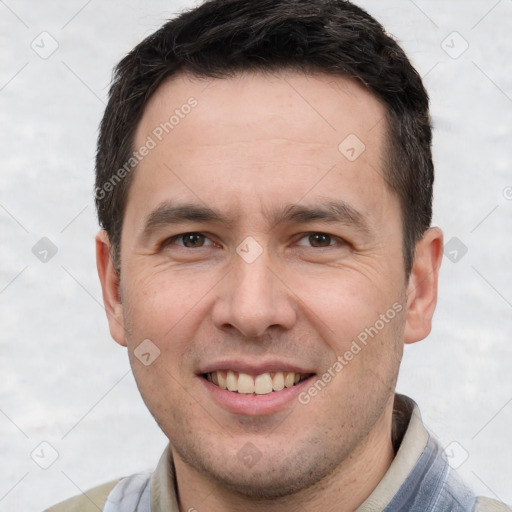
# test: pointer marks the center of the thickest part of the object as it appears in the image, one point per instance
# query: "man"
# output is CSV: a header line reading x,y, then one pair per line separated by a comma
x,y
264,185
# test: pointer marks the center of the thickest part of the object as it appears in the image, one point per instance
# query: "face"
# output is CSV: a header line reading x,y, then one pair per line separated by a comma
x,y
261,250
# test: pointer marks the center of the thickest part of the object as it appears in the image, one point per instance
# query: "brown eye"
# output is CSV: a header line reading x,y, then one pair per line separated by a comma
x,y
192,240
189,240
320,240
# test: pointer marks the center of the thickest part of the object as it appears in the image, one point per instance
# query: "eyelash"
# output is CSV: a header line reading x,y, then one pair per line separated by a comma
x,y
333,238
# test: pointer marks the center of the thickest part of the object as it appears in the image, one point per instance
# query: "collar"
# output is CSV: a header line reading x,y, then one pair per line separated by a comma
x,y
408,426
163,485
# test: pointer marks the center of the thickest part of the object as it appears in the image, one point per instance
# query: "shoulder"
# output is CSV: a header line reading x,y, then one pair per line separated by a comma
x,y
90,501
490,505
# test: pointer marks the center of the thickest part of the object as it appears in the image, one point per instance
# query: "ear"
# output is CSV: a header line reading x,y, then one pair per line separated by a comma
x,y
109,279
422,287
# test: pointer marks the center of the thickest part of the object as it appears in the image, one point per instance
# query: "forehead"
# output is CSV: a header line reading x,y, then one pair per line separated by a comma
x,y
257,102
255,138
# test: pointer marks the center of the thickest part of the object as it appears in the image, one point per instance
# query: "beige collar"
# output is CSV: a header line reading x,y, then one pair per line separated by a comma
x,y
413,443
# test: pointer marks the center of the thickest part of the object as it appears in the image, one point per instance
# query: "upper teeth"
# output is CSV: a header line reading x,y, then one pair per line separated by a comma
x,y
260,384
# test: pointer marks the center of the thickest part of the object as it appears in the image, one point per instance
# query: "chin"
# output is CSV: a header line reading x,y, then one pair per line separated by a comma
x,y
262,487
273,476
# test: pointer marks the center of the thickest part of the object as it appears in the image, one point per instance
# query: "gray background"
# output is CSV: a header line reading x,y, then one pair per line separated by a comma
x,y
66,383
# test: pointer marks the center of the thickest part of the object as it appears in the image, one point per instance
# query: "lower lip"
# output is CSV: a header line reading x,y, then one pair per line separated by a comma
x,y
255,405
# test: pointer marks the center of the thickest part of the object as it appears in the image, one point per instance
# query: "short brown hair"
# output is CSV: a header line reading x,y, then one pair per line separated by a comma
x,y
223,37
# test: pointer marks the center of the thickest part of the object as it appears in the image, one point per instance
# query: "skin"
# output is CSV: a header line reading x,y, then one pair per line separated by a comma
x,y
254,144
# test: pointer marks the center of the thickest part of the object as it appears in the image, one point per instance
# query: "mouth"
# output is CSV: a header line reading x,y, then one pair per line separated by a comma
x,y
261,384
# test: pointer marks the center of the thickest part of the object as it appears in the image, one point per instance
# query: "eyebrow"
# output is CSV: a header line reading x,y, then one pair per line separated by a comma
x,y
169,213
328,211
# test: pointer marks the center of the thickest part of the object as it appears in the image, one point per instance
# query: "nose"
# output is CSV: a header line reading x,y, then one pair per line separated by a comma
x,y
253,297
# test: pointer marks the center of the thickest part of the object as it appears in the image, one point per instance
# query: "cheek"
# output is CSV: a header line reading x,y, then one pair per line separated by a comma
x,y
157,298
166,306
362,321
160,308
345,302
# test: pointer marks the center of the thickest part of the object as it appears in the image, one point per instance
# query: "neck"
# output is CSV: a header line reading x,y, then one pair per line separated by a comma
x,y
343,490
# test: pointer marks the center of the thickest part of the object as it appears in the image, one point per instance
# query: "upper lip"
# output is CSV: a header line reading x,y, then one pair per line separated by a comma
x,y
251,368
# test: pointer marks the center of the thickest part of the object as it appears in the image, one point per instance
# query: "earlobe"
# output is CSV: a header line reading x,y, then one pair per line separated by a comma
x,y
422,287
109,279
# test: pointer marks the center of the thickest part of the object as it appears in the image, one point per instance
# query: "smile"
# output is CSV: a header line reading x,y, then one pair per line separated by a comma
x,y
262,384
